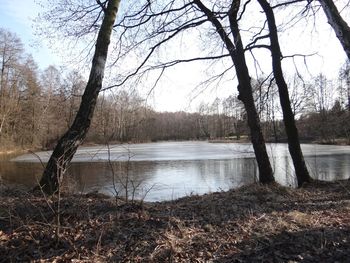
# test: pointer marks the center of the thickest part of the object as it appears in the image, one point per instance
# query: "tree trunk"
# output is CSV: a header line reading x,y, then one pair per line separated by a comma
x,y
301,171
244,88
340,27
69,142
2,108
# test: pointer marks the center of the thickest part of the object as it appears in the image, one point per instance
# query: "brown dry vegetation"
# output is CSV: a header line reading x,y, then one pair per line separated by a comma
x,y
251,224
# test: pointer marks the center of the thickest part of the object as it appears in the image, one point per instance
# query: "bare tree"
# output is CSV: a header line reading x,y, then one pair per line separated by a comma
x,y
301,171
323,93
30,103
300,95
69,142
11,51
339,25
344,89
74,85
150,26
236,51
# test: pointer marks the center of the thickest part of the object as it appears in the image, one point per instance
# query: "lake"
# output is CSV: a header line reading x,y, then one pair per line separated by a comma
x,y
169,170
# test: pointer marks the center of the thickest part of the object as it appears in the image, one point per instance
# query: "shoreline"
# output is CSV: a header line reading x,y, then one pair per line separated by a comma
x,y
244,140
14,152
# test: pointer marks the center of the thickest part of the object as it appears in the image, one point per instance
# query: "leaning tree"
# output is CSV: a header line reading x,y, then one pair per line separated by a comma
x,y
301,171
339,25
151,27
69,142
236,51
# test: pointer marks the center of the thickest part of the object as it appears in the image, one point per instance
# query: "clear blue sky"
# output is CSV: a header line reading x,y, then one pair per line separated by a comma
x,y
17,16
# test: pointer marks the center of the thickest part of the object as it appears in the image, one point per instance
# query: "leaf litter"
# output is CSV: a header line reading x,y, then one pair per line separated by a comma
x,y
254,223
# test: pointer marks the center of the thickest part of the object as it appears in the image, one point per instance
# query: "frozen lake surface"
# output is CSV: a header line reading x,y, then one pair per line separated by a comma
x,y
168,170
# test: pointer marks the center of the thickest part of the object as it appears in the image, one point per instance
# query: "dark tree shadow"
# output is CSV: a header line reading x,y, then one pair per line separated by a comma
x,y
314,245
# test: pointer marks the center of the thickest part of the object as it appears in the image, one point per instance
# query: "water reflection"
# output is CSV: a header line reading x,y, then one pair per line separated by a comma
x,y
164,178
23,174
330,167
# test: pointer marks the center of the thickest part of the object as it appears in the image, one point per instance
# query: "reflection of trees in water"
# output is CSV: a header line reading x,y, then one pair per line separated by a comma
x,y
201,175
322,167
178,178
23,174
284,171
227,173
99,176
330,167
197,176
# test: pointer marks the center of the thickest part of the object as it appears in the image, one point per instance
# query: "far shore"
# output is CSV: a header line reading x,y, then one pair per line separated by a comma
x,y
14,151
243,139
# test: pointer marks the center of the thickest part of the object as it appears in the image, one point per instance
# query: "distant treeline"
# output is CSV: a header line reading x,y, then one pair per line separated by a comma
x,y
37,107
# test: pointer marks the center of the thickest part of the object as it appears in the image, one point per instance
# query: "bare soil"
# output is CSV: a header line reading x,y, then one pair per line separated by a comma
x,y
252,224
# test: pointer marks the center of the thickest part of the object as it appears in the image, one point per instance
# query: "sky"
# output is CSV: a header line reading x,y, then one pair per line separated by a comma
x,y
176,91
17,16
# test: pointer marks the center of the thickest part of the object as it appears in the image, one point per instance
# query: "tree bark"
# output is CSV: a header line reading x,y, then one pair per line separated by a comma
x,y
301,171
244,88
340,27
69,142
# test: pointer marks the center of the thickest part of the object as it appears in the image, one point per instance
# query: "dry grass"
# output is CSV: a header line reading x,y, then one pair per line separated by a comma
x,y
251,224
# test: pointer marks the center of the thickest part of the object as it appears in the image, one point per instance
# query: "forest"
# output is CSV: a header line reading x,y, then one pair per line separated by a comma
x,y
38,106
250,46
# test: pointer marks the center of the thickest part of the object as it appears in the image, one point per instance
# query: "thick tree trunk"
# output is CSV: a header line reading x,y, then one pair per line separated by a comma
x,y
2,109
245,89
68,144
301,171
340,27
246,96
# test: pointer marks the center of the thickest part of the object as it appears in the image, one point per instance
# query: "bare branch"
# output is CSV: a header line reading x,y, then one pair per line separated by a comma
x,y
164,66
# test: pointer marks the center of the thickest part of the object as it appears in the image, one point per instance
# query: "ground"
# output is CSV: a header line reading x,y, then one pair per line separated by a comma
x,y
252,224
